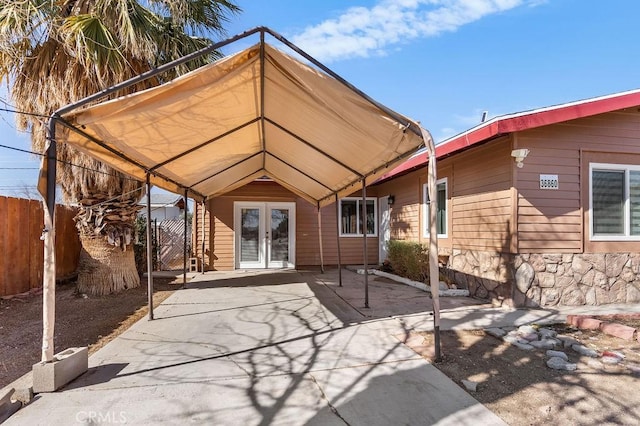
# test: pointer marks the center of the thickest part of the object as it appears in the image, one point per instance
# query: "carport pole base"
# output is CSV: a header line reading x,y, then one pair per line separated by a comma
x,y
65,367
436,342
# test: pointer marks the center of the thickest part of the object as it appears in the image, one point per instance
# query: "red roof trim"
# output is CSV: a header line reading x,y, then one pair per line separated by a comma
x,y
521,121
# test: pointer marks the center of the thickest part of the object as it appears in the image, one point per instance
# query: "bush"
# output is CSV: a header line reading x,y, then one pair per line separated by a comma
x,y
409,259
140,245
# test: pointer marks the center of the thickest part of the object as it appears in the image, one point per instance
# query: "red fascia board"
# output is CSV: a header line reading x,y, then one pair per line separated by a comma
x,y
520,122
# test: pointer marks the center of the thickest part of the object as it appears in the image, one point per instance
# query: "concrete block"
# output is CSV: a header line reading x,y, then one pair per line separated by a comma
x,y
583,322
618,330
7,408
67,365
23,394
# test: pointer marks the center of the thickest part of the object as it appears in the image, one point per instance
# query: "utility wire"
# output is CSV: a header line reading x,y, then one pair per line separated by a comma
x,y
64,162
31,114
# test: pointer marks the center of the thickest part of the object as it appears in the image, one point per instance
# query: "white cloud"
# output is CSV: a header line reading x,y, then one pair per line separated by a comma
x,y
364,32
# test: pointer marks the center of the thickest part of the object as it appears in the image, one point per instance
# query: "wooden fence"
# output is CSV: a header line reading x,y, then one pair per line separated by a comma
x,y
22,250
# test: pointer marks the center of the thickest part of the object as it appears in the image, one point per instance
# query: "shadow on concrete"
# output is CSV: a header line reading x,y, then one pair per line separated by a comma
x,y
96,375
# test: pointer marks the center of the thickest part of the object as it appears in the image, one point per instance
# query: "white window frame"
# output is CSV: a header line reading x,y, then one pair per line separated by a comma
x,y
359,212
425,208
626,168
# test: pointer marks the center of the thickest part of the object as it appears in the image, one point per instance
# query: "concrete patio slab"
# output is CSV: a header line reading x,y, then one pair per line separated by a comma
x,y
257,349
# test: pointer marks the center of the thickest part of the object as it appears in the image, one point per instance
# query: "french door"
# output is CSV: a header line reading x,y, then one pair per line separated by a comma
x,y
264,234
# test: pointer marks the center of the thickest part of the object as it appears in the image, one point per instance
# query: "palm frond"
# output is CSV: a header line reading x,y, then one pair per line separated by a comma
x,y
200,17
92,44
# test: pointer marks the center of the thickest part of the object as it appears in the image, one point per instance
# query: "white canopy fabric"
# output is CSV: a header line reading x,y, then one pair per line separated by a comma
x,y
256,113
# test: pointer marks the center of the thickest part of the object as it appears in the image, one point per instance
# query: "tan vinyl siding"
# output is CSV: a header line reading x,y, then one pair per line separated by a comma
x,y
558,219
222,236
222,242
221,245
481,208
405,212
307,242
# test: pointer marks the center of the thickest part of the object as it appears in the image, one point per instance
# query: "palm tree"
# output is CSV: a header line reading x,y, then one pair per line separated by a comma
x,y
54,52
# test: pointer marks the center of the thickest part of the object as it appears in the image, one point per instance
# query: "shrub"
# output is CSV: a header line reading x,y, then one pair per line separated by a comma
x,y
409,259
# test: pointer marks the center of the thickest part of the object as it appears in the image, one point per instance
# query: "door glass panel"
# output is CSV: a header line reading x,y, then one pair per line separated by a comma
x,y
249,235
279,235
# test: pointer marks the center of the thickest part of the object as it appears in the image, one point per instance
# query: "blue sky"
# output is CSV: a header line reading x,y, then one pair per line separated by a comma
x,y
441,62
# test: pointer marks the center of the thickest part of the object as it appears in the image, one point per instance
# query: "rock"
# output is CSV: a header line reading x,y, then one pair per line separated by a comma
x,y
583,322
496,332
633,292
523,346
547,332
469,385
567,341
611,360
572,296
583,350
555,342
557,354
558,363
618,330
542,344
614,353
546,280
531,337
524,277
580,266
509,338
537,262
526,329
614,263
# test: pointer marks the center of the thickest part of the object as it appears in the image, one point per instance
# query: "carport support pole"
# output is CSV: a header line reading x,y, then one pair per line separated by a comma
x,y
202,222
186,235
48,234
149,251
338,240
320,239
434,273
364,243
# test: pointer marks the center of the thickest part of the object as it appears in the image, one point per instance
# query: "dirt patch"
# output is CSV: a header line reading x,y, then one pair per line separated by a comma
x,y
519,387
80,321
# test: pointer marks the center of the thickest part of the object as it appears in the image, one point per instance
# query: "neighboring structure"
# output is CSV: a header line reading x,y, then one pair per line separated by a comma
x,y
535,208
163,207
542,207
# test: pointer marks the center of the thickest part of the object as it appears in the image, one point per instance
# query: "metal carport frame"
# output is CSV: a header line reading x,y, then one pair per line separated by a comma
x,y
343,120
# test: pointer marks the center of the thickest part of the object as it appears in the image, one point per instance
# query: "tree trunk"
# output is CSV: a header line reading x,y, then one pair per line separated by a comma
x,y
105,268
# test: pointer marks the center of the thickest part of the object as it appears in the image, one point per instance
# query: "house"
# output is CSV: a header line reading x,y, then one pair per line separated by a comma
x,y
264,225
163,207
540,207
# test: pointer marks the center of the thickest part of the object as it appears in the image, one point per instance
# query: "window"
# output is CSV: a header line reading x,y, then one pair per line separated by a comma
x,y
614,195
350,217
441,212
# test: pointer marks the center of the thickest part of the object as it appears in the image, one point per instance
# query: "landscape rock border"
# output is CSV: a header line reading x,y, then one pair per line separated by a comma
x,y
588,322
449,292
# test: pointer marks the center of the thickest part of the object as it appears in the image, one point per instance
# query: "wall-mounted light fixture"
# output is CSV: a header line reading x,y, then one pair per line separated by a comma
x,y
391,199
520,155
